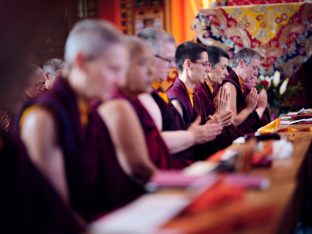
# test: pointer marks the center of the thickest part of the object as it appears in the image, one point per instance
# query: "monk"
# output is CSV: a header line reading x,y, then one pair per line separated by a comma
x,y
193,66
137,81
177,137
248,85
36,81
52,68
66,137
248,111
209,100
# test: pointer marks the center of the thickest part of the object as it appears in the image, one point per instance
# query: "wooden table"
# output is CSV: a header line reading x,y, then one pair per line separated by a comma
x,y
289,180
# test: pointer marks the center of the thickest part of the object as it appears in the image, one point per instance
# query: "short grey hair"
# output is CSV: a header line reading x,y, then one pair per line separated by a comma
x,y
90,37
156,37
53,65
245,54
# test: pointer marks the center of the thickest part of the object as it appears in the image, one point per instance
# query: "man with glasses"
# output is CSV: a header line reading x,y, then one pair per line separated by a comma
x,y
210,101
193,66
248,109
176,135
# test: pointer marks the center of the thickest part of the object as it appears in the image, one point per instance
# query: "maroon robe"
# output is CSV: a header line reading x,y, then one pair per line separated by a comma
x,y
204,105
252,122
157,149
177,91
172,121
28,203
95,179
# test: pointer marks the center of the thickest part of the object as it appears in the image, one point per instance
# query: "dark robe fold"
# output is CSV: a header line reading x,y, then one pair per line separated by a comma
x,y
204,105
172,121
252,122
178,91
157,148
28,203
96,182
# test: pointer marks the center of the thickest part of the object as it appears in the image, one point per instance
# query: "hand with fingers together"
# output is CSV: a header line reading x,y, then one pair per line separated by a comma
x,y
207,132
252,99
263,99
221,101
225,118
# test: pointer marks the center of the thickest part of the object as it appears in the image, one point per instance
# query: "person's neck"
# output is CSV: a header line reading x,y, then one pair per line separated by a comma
x,y
186,80
210,82
238,73
129,92
73,80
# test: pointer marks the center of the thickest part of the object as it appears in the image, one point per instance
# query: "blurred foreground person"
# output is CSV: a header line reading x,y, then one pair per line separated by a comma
x,y
67,138
28,202
137,81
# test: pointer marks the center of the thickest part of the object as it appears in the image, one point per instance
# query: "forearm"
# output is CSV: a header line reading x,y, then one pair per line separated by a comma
x,y
242,116
138,169
260,111
178,141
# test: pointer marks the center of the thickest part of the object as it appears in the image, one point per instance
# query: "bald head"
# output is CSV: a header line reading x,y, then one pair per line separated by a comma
x,y
90,38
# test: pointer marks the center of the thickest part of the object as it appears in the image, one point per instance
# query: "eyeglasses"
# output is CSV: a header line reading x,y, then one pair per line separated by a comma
x,y
255,68
168,60
204,64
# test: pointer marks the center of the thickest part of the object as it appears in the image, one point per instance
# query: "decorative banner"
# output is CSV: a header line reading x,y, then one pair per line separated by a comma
x,y
250,2
281,33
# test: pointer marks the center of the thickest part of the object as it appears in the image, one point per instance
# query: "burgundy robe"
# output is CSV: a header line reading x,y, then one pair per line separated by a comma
x,y
177,91
204,105
28,203
172,121
157,149
95,179
252,122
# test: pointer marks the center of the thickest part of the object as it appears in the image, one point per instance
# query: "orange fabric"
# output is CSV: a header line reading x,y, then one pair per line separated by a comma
x,y
190,93
84,110
209,86
241,85
158,87
26,114
289,129
266,151
218,194
270,127
216,157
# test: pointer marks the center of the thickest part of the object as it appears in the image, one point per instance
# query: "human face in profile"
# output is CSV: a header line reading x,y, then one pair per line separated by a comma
x,y
250,70
103,73
219,71
164,61
199,69
139,77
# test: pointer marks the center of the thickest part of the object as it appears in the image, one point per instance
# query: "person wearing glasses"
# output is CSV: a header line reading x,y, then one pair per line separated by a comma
x,y
210,101
248,109
179,138
193,66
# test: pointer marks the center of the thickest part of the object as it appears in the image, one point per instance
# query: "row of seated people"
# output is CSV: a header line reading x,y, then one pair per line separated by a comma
x,y
38,80
105,128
